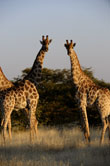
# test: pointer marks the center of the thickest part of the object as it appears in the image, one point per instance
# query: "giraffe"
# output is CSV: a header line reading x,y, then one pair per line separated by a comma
x,y
24,93
5,84
88,93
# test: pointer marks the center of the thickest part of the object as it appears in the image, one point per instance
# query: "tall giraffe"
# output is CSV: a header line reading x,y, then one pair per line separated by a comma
x,y
24,93
88,93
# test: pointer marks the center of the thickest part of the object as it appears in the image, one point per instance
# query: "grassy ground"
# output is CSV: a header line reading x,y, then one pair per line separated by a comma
x,y
55,147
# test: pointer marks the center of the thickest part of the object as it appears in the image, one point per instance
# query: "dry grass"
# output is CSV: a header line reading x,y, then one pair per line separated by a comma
x,y
55,147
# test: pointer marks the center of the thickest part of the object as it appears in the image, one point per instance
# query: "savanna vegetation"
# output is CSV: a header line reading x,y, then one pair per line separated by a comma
x,y
60,141
57,105
55,147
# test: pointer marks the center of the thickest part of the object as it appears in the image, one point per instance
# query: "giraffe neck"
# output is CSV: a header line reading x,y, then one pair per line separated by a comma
x,y
4,82
76,70
35,73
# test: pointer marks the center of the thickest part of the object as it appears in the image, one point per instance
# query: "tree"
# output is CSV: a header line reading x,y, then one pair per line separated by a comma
x,y
57,103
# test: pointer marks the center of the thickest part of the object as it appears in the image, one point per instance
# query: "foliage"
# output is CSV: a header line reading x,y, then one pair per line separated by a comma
x,y
57,99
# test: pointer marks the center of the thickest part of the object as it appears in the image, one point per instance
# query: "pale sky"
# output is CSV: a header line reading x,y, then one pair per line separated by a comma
x,y
86,22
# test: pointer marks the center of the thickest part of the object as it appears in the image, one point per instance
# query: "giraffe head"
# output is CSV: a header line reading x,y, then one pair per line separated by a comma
x,y
45,43
69,46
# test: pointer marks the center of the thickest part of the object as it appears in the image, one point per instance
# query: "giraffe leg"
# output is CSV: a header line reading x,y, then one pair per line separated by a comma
x,y
27,115
9,128
7,120
85,124
33,120
32,123
36,127
4,124
5,130
36,122
109,127
105,125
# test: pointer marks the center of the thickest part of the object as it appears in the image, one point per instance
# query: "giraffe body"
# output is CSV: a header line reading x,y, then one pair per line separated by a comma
x,y
5,84
19,97
24,93
88,94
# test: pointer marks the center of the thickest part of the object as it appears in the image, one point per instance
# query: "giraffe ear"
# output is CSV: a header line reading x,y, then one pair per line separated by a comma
x,y
65,45
50,41
41,42
74,44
